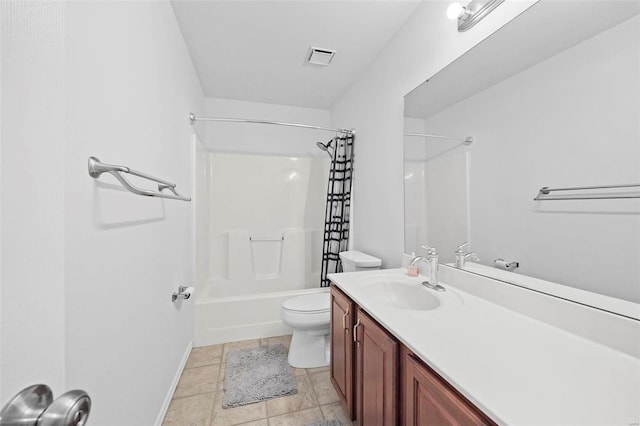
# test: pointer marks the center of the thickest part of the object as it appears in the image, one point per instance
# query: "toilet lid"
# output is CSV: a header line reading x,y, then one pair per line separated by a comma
x,y
317,302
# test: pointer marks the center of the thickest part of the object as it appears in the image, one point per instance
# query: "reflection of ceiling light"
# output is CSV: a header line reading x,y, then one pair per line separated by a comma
x,y
319,56
456,11
472,13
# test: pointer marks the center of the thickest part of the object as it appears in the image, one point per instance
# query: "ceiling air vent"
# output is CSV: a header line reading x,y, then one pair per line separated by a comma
x,y
319,56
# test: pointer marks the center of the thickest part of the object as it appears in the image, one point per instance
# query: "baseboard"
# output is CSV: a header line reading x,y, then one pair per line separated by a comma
x,y
174,384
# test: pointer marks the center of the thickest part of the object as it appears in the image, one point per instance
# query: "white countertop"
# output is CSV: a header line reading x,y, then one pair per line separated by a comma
x,y
517,369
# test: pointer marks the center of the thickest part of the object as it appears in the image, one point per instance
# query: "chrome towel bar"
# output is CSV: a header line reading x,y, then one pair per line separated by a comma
x,y
96,168
544,193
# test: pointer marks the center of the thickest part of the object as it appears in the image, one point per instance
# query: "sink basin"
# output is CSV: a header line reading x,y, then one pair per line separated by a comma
x,y
402,294
408,296
395,289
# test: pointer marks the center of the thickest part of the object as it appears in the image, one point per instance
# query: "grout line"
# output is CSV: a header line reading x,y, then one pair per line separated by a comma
x,y
203,365
195,394
213,409
315,394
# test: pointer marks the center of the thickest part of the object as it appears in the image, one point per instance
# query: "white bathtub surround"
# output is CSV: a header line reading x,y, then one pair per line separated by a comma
x,y
259,241
264,216
521,356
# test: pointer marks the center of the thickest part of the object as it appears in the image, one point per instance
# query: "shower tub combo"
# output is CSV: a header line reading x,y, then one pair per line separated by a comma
x,y
258,248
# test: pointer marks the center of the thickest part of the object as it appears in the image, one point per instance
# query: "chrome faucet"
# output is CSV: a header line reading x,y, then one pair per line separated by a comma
x,y
462,257
430,259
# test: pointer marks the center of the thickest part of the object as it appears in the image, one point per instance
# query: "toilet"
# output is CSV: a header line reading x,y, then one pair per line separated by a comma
x,y
353,261
310,315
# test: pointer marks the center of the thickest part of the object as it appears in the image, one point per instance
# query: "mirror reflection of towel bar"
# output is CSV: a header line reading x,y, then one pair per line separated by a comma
x,y
544,193
279,238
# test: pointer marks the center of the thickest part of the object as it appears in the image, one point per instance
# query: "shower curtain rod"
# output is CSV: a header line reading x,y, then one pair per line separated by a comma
x,y
467,141
193,119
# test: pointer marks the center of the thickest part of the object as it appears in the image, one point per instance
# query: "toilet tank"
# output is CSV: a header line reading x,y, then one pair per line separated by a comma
x,y
354,260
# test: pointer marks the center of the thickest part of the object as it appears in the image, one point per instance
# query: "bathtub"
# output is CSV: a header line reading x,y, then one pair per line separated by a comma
x,y
229,319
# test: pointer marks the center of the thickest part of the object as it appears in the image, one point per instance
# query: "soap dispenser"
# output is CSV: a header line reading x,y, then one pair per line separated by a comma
x,y
413,270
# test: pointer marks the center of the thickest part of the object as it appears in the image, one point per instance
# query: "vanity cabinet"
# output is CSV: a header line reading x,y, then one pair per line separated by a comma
x,y
364,363
429,400
342,348
376,368
381,382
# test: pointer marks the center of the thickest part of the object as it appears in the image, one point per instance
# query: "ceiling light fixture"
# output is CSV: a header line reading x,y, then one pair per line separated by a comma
x,y
472,13
318,56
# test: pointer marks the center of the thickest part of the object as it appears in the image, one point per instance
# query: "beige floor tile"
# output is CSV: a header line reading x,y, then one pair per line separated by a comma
x,y
191,411
319,369
305,398
299,371
197,380
325,392
244,344
336,411
263,422
205,355
285,340
237,415
298,418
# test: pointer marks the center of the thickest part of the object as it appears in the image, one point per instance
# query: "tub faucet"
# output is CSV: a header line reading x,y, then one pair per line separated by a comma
x,y
430,259
462,257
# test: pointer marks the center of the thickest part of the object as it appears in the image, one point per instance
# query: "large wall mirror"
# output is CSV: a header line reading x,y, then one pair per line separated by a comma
x,y
552,99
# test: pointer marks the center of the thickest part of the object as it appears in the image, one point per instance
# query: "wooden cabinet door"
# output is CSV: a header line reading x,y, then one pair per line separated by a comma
x,y
376,373
342,347
429,400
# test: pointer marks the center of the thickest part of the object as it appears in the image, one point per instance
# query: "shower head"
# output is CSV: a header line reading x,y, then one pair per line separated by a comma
x,y
325,146
322,146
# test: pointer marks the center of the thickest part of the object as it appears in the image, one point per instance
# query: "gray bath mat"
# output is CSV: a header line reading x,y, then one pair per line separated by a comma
x,y
257,374
327,423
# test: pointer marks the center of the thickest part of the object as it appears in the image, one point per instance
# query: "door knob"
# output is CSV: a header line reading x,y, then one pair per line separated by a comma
x,y
34,406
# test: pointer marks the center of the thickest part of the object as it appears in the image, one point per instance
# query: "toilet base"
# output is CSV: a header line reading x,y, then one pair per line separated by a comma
x,y
309,349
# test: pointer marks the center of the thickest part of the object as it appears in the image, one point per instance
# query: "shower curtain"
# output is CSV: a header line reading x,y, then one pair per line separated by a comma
x,y
336,225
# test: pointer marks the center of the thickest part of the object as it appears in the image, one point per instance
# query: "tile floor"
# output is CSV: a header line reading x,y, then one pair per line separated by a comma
x,y
197,400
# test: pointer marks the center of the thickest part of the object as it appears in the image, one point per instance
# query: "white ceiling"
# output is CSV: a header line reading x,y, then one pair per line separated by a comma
x,y
256,50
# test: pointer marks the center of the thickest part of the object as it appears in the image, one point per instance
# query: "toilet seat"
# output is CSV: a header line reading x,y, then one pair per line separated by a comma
x,y
309,304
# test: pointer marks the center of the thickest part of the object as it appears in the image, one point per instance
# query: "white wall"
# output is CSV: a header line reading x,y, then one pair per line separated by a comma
x,y
32,196
262,138
130,76
3,25
571,120
87,269
374,106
